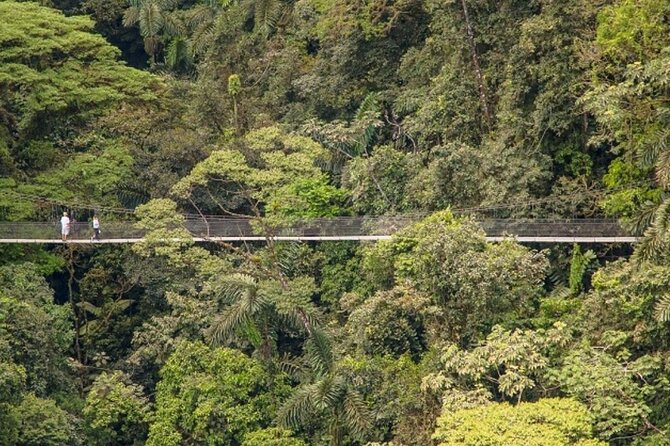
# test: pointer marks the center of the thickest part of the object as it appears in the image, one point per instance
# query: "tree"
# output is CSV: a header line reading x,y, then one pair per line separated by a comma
x,y
117,412
548,422
55,71
267,172
617,390
56,76
214,396
392,322
35,333
42,422
153,18
509,365
272,437
630,100
475,284
261,309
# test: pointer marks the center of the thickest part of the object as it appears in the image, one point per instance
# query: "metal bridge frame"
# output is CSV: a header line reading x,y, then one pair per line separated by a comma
x,y
607,240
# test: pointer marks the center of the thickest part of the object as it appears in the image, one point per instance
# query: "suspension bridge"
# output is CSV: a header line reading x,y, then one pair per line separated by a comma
x,y
201,228
324,229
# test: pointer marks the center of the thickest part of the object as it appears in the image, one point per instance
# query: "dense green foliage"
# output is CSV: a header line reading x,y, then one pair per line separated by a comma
x,y
153,112
548,422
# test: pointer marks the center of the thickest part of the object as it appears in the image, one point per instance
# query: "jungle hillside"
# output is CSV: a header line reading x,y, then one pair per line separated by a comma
x,y
153,114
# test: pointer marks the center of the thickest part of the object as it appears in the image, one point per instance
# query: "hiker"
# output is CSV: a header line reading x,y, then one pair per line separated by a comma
x,y
64,226
96,229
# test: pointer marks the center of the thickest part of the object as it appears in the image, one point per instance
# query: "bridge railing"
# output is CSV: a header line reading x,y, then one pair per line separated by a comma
x,y
326,227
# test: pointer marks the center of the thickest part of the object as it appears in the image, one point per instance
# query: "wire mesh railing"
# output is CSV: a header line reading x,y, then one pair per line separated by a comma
x,y
341,227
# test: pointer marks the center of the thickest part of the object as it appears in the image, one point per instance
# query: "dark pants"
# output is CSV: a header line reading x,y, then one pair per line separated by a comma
x,y
96,233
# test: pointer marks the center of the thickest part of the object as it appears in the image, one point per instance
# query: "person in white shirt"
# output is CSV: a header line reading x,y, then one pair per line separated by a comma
x,y
64,226
96,228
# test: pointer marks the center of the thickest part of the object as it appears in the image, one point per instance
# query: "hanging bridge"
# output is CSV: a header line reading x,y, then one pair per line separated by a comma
x,y
323,229
121,228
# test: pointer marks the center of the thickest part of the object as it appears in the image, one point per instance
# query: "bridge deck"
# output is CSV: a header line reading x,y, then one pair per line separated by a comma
x,y
341,228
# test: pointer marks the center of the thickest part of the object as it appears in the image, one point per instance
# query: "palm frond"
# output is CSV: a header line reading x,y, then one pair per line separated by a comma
x,y
297,409
330,391
290,254
235,286
662,309
131,16
200,14
203,37
663,163
267,14
236,317
151,20
224,325
173,25
356,414
319,352
178,53
298,314
167,5
655,240
644,218
561,292
295,367
369,105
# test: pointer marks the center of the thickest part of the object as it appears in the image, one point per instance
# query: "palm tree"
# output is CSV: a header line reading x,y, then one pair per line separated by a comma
x,y
655,153
325,392
155,21
268,14
258,309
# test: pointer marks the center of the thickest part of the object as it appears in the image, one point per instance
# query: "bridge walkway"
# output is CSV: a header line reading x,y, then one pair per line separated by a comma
x,y
330,229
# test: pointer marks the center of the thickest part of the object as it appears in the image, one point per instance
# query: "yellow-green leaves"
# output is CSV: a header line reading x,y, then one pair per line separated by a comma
x,y
548,422
268,169
54,68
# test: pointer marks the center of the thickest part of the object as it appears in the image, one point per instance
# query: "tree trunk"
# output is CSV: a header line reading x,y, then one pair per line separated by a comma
x,y
483,96
70,266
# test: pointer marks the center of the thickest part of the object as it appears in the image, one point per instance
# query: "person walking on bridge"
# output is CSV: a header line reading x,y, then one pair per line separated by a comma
x,y
96,229
64,226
